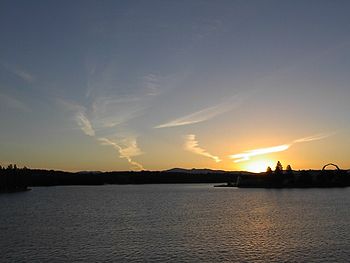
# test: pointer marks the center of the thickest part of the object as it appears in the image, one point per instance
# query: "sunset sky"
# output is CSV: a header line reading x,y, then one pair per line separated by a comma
x,y
130,85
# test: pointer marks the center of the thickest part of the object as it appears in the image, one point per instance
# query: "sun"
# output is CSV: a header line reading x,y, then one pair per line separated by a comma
x,y
258,166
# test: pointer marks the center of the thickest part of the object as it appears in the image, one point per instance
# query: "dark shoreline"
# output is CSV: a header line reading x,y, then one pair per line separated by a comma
x,y
14,190
13,180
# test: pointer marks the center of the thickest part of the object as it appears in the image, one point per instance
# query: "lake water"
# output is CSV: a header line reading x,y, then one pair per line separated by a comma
x,y
174,223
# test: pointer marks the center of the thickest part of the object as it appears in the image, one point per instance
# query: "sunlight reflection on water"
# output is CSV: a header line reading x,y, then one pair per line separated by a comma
x,y
187,223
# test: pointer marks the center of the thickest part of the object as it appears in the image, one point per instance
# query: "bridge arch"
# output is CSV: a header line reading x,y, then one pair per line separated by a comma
x,y
330,164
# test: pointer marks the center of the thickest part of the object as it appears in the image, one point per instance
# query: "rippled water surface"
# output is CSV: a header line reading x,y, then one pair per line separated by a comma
x,y
176,223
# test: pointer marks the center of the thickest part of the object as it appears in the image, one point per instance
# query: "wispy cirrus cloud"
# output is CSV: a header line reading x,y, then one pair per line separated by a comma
x,y
246,155
84,123
111,111
127,149
201,115
124,142
19,72
13,103
110,106
315,137
191,145
79,116
152,83
112,100
23,75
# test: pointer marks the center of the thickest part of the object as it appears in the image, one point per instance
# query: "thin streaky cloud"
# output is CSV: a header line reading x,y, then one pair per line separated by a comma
x,y
13,103
108,112
246,155
313,137
152,84
23,74
79,116
201,115
100,121
126,149
84,123
191,145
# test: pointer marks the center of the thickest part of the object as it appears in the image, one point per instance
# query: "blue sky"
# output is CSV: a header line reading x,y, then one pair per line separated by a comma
x,y
119,85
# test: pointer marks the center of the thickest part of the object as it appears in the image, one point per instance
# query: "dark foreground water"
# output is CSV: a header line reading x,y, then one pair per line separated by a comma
x,y
174,223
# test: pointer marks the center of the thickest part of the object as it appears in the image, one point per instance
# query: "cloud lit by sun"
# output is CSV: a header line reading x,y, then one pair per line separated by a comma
x,y
246,155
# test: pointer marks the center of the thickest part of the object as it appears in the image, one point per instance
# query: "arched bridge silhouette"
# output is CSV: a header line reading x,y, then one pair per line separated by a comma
x,y
330,164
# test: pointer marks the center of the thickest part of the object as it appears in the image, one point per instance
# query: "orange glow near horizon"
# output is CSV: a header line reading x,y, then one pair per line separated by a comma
x,y
258,166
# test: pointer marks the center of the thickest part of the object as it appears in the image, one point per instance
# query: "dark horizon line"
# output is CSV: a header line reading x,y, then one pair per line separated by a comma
x,y
174,170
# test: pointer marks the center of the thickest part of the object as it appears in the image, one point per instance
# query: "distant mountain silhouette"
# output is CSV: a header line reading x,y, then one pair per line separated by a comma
x,y
195,171
14,179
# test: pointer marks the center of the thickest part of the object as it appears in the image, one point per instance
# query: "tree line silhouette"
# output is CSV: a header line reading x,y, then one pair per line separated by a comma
x,y
13,178
289,178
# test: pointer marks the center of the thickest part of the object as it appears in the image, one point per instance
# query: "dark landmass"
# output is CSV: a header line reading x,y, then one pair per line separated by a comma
x,y
14,179
296,179
195,171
